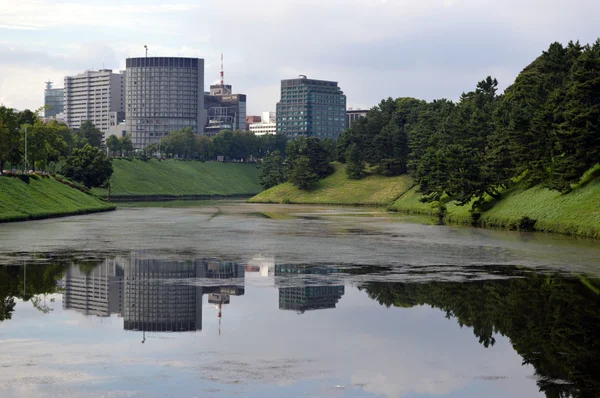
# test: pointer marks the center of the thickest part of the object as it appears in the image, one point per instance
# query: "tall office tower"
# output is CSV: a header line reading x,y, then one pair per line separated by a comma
x,y
163,94
96,96
54,102
311,107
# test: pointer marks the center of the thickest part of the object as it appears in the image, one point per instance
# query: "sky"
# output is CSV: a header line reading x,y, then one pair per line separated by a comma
x,y
375,49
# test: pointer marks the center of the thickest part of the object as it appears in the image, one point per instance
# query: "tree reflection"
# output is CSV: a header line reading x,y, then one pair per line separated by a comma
x,y
553,322
28,283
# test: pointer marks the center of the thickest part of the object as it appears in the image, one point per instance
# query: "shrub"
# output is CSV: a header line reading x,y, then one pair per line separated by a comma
x,y
24,178
526,224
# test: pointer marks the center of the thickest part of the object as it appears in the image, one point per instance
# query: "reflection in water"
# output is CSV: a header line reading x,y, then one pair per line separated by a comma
x,y
552,321
150,294
308,295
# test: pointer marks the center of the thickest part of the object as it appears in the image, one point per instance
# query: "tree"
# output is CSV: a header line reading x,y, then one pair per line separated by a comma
x,y
303,175
10,150
355,165
88,165
89,134
272,170
44,143
113,144
126,145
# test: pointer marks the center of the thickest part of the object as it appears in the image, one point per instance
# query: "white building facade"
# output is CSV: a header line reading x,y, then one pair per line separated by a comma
x,y
267,125
94,96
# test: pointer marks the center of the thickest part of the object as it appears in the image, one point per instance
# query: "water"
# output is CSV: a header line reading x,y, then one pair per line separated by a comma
x,y
230,299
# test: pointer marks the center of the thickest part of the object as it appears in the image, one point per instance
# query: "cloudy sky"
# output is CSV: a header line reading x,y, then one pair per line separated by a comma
x,y
373,48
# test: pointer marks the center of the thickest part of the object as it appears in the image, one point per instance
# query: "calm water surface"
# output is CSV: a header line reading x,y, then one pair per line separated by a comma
x,y
231,299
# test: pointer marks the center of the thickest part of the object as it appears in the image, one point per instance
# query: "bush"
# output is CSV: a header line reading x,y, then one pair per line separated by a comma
x,y
24,178
526,224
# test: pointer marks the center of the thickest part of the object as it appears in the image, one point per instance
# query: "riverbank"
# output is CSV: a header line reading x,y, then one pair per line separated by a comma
x,y
520,208
44,198
155,180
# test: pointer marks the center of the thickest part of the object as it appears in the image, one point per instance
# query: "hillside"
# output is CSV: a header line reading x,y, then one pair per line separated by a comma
x,y
576,213
177,178
43,198
372,190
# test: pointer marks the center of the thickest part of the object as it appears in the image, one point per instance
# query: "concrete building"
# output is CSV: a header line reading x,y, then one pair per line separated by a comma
x,y
94,96
354,115
54,102
99,292
224,110
267,124
310,107
163,94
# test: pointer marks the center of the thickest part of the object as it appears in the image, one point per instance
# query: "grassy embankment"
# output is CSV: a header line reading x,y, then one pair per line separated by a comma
x,y
44,198
337,189
576,213
172,179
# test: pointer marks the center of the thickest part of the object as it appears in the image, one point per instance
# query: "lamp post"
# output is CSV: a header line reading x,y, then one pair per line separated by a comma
x,y
25,148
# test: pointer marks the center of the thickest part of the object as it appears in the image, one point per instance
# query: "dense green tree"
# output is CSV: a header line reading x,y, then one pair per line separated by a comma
x,y
113,144
126,146
10,150
88,165
308,161
88,134
272,170
45,143
355,164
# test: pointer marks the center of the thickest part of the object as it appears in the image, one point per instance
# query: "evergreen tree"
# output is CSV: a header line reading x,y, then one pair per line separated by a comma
x,y
272,170
355,165
88,165
88,134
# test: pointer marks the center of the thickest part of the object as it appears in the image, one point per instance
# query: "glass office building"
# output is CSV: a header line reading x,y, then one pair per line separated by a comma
x,y
163,94
54,102
311,107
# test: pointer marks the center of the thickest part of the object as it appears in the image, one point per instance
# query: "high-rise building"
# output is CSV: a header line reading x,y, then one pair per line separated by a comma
x,y
54,102
353,115
224,110
163,94
94,96
311,107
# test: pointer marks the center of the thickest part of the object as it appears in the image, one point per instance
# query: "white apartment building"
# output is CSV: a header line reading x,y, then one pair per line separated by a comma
x,y
97,96
266,126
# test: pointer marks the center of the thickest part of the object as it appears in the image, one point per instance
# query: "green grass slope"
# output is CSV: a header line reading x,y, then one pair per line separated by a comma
x,y
43,198
576,213
178,178
337,189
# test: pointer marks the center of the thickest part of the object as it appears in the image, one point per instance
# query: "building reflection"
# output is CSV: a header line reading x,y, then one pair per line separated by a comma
x,y
152,295
298,292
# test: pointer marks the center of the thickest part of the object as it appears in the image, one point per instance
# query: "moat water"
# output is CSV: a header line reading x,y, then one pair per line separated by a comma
x,y
231,299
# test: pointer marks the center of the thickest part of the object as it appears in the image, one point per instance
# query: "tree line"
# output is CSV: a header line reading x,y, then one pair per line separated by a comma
x,y
544,129
28,143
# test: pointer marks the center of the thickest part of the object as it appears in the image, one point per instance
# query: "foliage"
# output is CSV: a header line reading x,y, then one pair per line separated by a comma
x,y
89,166
308,161
355,169
88,134
272,170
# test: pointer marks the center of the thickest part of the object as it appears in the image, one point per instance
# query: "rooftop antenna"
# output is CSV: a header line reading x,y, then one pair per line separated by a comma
x,y
222,74
146,47
48,84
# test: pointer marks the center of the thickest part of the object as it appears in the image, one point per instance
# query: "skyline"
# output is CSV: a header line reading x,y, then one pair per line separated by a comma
x,y
374,49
